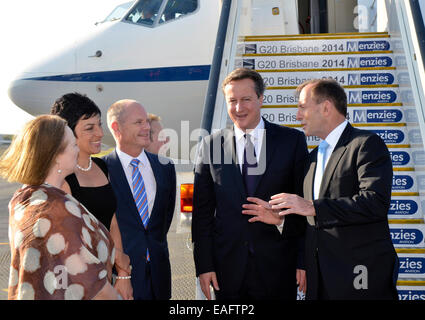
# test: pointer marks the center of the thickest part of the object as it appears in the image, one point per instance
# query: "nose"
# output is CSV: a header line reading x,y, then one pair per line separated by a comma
x,y
299,116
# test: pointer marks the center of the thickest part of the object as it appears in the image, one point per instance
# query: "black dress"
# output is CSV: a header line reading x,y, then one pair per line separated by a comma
x,y
99,201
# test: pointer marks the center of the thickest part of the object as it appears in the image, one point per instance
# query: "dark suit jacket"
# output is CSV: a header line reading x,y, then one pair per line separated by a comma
x,y
351,224
223,236
135,238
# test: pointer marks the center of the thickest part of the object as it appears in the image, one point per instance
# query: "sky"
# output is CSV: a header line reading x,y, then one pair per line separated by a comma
x,y
31,29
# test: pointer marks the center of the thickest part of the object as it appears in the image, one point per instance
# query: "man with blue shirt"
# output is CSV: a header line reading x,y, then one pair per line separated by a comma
x,y
347,192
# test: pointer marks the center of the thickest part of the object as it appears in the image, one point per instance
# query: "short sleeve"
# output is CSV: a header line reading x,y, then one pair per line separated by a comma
x,y
59,250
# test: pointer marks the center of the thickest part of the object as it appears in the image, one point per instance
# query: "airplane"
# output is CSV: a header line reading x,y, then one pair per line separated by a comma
x,y
163,62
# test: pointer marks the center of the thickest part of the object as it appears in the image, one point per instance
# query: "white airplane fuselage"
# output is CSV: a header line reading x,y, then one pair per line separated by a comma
x,y
165,67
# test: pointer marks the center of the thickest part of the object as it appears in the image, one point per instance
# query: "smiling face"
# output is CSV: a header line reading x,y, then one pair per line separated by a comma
x,y
89,135
134,129
243,104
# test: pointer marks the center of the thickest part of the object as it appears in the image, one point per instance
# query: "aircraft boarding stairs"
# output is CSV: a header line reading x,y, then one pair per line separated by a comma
x,y
374,75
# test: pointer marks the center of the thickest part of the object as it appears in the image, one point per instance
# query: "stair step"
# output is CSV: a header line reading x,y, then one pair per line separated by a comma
x,y
334,61
313,45
358,76
355,95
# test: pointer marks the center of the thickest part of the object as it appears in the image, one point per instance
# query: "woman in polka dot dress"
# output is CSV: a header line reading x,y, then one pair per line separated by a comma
x,y
58,249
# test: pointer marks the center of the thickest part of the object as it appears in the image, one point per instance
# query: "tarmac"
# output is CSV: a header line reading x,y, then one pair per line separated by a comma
x,y
179,243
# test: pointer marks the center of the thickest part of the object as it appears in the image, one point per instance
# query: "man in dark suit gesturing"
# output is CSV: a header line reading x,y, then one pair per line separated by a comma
x,y
347,191
145,188
244,259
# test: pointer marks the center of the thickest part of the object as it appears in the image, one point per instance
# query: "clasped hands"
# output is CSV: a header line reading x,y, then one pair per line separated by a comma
x,y
280,205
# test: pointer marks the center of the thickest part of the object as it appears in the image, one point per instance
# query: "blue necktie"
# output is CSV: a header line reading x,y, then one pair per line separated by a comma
x,y
320,167
140,196
249,161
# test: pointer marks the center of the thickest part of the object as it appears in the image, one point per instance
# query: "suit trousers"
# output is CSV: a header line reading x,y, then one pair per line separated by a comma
x,y
252,286
148,285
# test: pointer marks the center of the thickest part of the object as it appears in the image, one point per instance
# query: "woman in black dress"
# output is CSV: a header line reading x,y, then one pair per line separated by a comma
x,y
89,184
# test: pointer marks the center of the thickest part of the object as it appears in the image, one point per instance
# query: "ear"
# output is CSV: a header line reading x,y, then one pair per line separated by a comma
x,y
327,107
114,126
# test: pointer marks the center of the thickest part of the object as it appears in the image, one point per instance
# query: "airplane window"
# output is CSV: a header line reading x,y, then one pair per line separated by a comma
x,y
118,12
178,8
145,12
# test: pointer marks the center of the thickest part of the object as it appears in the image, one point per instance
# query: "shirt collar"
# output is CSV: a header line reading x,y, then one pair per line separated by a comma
x,y
335,134
126,158
256,133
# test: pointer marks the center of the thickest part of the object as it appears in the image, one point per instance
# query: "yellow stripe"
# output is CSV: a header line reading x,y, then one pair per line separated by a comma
x,y
315,53
378,124
5,290
406,221
404,194
328,69
398,146
319,34
4,243
347,87
410,283
270,106
293,38
358,125
336,69
404,169
408,250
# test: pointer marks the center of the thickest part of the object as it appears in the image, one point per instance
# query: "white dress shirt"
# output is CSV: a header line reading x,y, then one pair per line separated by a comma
x,y
256,138
257,135
332,139
146,172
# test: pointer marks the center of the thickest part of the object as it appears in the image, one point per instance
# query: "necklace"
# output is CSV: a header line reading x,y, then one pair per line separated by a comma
x,y
85,169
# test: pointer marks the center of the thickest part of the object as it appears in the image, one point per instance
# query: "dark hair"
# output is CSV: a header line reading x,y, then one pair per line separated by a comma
x,y
327,89
245,73
73,107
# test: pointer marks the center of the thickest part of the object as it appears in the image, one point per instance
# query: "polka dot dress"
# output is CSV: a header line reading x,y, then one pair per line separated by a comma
x,y
58,249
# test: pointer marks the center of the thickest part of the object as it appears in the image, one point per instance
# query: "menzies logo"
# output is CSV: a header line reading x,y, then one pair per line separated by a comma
x,y
369,62
411,294
412,265
367,45
402,182
365,79
385,96
399,158
384,115
403,207
390,136
406,236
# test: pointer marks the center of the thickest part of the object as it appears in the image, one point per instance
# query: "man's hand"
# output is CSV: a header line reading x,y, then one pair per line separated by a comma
x,y
205,279
292,203
262,211
301,280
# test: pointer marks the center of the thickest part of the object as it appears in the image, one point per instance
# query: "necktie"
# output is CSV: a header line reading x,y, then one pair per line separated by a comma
x,y
320,167
249,161
140,196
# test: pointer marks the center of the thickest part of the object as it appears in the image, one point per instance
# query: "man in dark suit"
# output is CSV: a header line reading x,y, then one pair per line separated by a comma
x,y
347,191
145,187
243,258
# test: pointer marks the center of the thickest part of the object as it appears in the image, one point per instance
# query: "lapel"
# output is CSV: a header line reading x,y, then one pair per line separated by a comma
x,y
229,149
309,177
266,154
268,147
334,159
122,189
157,172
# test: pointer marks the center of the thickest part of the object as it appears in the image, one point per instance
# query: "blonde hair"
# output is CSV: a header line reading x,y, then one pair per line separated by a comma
x,y
33,151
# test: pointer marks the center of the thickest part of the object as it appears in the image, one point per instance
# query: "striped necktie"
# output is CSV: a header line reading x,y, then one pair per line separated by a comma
x,y
139,194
